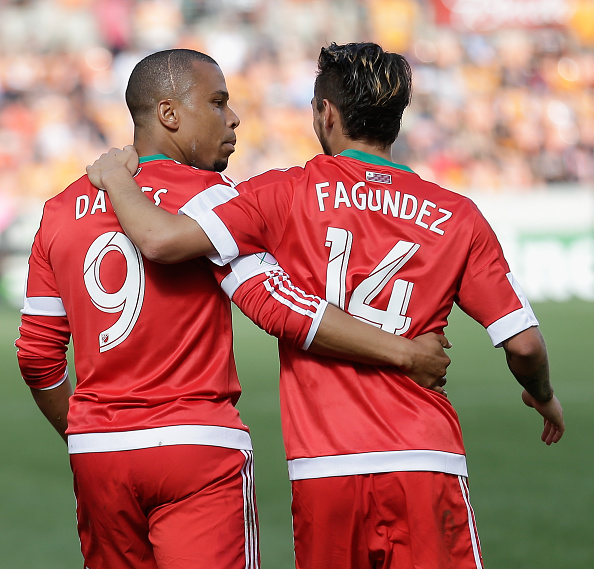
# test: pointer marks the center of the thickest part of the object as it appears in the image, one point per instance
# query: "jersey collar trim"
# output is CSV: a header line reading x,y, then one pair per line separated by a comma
x,y
154,157
371,159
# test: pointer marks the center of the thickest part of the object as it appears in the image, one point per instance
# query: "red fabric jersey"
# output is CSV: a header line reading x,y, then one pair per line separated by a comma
x,y
152,342
394,250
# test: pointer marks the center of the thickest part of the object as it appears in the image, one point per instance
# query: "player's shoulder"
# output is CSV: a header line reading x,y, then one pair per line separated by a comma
x,y
455,198
277,177
79,187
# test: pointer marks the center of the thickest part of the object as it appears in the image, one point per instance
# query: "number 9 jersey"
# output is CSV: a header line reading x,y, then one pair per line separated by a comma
x,y
397,252
152,342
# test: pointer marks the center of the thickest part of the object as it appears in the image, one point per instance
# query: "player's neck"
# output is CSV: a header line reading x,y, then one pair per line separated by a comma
x,y
349,144
152,145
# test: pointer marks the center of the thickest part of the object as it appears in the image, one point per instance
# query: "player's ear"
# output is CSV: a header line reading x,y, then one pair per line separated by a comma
x,y
167,114
329,114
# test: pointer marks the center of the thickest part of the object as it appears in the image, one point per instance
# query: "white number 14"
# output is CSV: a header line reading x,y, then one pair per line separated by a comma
x,y
393,319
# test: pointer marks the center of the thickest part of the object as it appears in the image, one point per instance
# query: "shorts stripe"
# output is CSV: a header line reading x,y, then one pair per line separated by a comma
x,y
249,512
471,522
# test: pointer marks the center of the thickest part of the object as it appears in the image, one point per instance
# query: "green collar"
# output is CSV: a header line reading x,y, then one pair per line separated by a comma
x,y
356,154
372,159
144,159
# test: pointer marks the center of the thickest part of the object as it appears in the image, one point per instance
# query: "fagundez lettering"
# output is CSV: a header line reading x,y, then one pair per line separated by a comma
x,y
425,214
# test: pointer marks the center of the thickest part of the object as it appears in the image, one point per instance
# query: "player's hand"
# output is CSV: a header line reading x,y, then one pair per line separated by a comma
x,y
430,362
115,160
554,425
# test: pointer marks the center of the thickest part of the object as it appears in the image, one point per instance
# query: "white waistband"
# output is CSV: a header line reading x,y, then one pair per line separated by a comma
x,y
161,436
375,462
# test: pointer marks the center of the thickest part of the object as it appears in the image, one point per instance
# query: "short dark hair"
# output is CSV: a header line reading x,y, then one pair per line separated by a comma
x,y
161,75
369,86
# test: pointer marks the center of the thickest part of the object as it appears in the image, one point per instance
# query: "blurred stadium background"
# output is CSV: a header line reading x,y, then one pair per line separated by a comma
x,y
503,111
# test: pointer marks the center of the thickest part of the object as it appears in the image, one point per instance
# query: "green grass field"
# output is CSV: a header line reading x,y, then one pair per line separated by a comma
x,y
534,504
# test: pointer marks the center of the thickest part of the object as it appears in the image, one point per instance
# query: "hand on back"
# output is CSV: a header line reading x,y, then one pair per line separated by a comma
x,y
430,362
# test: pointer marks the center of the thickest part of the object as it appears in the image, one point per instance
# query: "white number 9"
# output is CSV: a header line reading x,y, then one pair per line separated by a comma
x,y
128,300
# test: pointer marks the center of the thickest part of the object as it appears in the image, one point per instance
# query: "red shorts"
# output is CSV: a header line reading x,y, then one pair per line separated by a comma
x,y
173,507
397,520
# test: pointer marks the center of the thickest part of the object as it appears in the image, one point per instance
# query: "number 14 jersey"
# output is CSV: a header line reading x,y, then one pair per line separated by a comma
x,y
394,250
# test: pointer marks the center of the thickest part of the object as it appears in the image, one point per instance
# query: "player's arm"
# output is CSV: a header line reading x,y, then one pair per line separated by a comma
x,y
41,354
160,235
306,321
44,338
510,322
423,358
54,404
527,359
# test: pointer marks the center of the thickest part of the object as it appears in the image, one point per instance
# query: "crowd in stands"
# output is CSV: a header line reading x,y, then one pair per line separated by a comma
x,y
504,109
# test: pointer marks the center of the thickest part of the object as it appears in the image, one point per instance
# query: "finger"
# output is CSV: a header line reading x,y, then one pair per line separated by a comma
x,y
553,436
552,433
547,433
557,436
445,342
440,390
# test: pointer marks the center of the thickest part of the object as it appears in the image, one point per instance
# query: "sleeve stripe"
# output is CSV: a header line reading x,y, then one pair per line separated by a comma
x,y
244,268
514,322
43,306
313,330
291,299
279,286
279,277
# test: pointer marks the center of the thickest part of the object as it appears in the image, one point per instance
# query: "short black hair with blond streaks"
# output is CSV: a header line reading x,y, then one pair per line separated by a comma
x,y
369,86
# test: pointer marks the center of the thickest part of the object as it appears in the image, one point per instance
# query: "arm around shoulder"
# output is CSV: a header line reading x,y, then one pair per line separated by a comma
x,y
423,359
305,321
161,236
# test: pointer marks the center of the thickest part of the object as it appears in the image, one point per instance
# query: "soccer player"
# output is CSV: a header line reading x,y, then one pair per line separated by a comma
x,y
162,463
377,464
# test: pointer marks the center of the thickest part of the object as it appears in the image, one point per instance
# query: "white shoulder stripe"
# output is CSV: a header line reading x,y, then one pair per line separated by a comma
x,y
200,209
43,306
210,198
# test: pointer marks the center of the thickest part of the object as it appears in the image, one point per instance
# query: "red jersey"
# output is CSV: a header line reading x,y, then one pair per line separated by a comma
x,y
152,342
394,250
